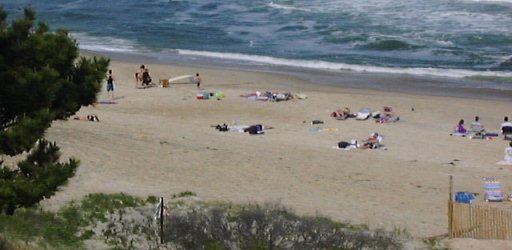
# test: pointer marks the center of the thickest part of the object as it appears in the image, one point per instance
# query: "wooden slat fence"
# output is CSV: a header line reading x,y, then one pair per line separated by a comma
x,y
478,221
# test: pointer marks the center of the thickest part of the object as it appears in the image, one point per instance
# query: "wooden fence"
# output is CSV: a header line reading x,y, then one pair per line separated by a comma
x,y
478,221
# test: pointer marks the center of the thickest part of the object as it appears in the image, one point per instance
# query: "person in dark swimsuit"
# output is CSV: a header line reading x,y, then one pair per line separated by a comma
x,y
110,84
146,78
197,79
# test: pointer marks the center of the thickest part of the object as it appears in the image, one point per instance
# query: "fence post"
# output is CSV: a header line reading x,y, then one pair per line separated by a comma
x,y
161,220
450,208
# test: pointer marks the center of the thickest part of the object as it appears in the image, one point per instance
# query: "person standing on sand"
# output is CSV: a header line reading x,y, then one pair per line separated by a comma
x,y
197,79
110,84
138,75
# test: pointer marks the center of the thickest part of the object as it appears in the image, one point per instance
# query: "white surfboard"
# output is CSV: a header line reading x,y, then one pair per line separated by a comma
x,y
182,79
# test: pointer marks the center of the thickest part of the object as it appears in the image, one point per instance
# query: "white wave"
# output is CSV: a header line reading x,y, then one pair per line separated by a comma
x,y
286,7
322,65
108,44
443,43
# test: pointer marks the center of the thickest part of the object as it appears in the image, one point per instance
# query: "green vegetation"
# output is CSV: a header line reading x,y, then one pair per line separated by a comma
x,y
183,194
70,226
120,221
207,226
41,81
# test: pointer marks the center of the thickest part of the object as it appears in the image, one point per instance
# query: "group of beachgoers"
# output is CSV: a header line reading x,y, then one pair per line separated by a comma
x,y
142,77
477,130
386,116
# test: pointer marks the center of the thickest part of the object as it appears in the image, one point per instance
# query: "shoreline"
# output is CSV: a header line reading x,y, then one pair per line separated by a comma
x,y
387,82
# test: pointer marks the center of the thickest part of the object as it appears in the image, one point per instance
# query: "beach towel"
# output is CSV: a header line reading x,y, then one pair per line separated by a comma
x,y
317,129
300,96
504,163
459,134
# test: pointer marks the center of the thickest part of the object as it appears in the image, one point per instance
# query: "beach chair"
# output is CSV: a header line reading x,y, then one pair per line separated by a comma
x,y
492,190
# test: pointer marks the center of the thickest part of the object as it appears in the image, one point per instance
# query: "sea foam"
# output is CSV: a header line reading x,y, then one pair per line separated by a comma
x,y
323,65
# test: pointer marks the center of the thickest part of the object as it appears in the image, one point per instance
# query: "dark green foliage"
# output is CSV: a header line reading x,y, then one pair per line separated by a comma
x,y
41,80
37,176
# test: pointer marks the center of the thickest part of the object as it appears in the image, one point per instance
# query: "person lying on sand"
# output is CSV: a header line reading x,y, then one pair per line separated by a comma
x,y
91,118
373,142
257,129
342,114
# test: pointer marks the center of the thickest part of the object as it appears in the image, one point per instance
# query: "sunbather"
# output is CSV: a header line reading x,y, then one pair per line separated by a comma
x,y
256,129
91,118
386,116
343,114
372,142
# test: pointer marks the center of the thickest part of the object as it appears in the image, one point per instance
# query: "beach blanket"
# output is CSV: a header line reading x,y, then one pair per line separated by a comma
x,y
317,129
237,128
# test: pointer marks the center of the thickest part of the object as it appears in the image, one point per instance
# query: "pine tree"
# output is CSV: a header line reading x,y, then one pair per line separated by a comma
x,y
41,80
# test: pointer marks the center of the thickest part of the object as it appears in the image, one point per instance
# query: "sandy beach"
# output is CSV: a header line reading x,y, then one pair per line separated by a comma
x,y
159,141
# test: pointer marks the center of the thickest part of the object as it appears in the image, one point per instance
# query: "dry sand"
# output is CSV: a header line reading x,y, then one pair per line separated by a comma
x,y
159,141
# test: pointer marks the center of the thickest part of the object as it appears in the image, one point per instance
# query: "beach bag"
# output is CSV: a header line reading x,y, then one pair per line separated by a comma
x,y
464,197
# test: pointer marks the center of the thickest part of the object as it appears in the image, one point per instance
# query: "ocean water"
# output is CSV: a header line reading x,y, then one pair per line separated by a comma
x,y
454,38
